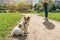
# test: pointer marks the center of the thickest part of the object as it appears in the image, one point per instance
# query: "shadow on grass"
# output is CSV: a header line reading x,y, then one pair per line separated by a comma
x,y
49,25
19,37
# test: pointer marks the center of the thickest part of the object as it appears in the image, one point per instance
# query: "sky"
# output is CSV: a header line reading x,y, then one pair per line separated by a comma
x,y
35,1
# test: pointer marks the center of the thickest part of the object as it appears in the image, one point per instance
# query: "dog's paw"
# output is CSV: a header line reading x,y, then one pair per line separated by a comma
x,y
26,32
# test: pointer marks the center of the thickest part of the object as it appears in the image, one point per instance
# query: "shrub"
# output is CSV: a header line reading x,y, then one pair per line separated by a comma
x,y
24,7
52,8
12,8
37,8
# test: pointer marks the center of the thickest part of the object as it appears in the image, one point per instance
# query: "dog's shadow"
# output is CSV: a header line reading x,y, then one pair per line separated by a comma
x,y
19,37
49,25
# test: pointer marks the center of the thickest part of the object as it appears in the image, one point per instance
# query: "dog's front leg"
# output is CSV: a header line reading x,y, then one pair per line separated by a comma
x,y
26,29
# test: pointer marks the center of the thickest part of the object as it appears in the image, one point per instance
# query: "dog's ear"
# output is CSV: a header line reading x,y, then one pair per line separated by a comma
x,y
19,26
28,17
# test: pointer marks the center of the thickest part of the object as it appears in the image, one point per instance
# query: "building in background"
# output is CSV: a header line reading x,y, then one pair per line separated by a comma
x,y
1,1
7,1
57,2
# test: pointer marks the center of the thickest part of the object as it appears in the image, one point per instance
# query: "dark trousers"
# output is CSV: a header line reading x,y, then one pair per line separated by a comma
x,y
46,9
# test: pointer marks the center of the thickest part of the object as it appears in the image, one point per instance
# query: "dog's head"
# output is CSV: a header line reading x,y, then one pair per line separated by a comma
x,y
26,19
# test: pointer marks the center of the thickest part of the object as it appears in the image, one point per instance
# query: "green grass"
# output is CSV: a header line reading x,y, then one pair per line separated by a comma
x,y
7,23
54,16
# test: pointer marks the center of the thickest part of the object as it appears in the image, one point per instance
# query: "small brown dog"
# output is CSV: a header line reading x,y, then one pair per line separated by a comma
x,y
22,28
26,24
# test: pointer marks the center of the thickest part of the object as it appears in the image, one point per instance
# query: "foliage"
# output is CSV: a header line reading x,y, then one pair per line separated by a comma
x,y
3,8
37,8
24,7
53,8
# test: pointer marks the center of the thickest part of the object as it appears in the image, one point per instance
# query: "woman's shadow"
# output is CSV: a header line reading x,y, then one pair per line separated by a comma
x,y
49,25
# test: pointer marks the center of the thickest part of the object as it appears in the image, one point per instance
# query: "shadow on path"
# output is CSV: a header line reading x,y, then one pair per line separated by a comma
x,y
49,25
20,37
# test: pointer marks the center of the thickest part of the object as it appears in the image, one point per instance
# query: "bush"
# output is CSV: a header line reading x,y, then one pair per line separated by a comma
x,y
21,7
58,7
52,8
37,8
24,7
12,8
3,8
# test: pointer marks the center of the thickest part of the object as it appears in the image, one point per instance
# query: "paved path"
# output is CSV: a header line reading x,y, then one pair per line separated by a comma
x,y
39,29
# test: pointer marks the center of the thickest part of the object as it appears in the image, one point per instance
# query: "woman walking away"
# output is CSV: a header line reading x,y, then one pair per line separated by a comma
x,y
46,9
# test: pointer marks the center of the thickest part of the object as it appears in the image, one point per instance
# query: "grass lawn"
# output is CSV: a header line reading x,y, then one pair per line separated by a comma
x,y
54,16
7,23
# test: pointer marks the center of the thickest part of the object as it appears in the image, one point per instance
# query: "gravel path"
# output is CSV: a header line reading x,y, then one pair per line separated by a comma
x,y
40,29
